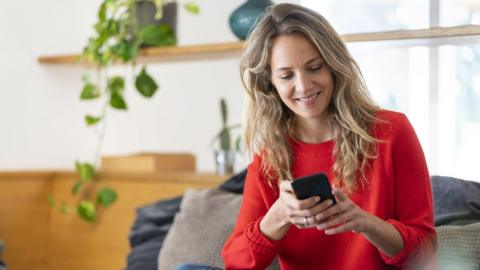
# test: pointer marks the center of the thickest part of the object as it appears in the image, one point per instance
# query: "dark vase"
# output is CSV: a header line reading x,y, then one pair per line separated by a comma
x,y
244,17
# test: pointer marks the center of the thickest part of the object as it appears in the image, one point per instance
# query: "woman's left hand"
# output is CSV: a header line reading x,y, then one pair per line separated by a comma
x,y
343,216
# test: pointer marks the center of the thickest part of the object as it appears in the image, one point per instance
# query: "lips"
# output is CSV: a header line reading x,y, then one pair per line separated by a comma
x,y
308,100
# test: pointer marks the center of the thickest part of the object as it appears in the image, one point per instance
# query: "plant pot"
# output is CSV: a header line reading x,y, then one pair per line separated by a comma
x,y
146,15
244,17
224,161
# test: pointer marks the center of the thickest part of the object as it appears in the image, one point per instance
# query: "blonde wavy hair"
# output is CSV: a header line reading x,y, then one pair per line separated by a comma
x,y
270,124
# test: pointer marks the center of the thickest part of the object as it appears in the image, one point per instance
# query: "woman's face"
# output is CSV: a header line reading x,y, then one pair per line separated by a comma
x,y
301,77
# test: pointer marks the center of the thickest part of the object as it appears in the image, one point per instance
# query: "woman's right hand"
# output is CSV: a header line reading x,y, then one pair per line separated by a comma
x,y
288,210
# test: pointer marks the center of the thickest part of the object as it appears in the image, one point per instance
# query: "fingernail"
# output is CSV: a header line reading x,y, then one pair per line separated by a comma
x,y
317,199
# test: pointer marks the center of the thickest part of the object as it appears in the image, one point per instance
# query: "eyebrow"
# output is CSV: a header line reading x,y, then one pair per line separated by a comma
x,y
306,63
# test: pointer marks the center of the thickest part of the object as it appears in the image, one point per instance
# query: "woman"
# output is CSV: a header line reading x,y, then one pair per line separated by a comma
x,y
310,112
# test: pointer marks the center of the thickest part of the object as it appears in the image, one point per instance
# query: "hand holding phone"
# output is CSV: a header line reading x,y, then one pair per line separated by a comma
x,y
313,185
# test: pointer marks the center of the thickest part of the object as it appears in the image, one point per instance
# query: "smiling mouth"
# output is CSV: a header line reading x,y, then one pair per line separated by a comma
x,y
308,98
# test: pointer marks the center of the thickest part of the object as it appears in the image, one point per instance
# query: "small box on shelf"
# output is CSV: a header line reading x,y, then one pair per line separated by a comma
x,y
149,163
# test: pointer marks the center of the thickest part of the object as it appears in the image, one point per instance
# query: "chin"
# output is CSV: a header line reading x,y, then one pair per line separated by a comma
x,y
309,115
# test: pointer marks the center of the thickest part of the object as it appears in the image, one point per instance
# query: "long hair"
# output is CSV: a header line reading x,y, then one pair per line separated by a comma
x,y
270,124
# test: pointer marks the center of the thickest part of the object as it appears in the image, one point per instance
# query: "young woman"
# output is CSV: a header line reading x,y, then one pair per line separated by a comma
x,y
310,112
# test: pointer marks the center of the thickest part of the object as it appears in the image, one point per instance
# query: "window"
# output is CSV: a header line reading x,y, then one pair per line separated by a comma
x,y
359,16
459,12
435,82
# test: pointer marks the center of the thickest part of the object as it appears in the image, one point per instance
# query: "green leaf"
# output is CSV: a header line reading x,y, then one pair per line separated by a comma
x,y
76,187
192,7
238,144
111,27
145,84
85,171
116,84
51,200
92,120
124,50
159,3
106,196
225,139
117,102
102,11
159,7
223,111
87,211
157,35
90,91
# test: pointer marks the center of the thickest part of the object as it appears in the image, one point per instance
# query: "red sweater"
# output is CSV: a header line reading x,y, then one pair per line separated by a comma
x,y
399,192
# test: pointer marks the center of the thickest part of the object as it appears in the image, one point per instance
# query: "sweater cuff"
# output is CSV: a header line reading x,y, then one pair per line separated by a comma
x,y
397,259
259,242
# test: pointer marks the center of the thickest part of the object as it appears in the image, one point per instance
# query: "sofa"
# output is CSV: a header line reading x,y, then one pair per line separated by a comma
x,y
192,228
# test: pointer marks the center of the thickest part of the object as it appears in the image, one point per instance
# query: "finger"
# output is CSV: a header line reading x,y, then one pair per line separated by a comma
x,y
349,226
286,185
330,212
308,203
338,220
303,222
300,205
287,195
291,203
299,222
339,195
318,208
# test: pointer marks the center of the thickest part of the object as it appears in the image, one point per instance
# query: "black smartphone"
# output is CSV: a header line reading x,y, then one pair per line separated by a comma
x,y
313,185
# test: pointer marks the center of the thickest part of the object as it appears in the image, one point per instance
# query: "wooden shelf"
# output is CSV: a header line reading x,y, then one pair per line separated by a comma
x,y
162,54
436,32
211,51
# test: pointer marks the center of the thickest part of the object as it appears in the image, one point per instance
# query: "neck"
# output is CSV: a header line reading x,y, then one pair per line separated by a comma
x,y
313,130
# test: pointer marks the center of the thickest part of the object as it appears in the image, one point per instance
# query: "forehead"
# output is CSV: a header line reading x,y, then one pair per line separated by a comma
x,y
292,50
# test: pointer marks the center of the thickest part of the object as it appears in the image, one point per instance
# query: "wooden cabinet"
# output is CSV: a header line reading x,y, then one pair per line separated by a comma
x,y
38,237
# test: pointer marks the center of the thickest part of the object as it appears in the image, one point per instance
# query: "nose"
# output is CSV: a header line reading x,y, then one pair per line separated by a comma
x,y
303,83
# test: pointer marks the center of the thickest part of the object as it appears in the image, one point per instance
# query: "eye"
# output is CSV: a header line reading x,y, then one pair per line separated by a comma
x,y
316,67
285,77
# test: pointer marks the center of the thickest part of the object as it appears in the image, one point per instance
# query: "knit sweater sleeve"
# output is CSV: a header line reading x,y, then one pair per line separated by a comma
x,y
247,247
413,200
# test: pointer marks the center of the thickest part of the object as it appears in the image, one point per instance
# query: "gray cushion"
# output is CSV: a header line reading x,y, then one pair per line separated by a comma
x,y
205,220
459,247
455,200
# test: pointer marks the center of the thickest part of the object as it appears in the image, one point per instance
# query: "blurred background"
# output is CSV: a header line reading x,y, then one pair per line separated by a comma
x,y
434,81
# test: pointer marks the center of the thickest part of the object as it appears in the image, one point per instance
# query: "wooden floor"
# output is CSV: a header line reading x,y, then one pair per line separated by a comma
x,y
37,237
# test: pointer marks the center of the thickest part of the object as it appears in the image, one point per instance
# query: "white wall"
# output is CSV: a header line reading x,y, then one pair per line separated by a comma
x,y
41,116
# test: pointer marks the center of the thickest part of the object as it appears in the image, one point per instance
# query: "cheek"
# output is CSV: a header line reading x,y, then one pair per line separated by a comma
x,y
326,79
283,91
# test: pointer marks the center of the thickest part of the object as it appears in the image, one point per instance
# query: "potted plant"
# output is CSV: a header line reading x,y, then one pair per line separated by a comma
x,y
120,32
225,156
